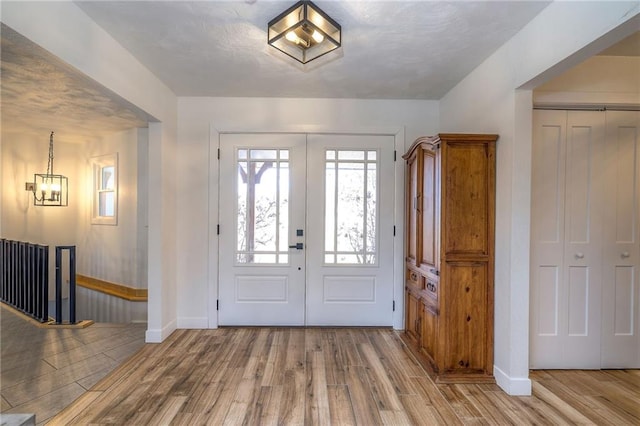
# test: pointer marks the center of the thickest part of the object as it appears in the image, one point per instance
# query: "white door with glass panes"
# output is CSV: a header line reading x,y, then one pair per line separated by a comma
x,y
262,204
350,230
306,229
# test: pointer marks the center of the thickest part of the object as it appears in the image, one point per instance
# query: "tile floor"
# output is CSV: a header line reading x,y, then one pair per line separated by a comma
x,y
42,370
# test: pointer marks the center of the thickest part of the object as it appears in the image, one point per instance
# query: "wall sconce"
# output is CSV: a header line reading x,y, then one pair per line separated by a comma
x,y
304,32
49,189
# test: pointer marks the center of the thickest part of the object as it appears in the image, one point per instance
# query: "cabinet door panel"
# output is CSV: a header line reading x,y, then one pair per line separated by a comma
x,y
429,326
428,210
465,310
413,313
412,212
465,167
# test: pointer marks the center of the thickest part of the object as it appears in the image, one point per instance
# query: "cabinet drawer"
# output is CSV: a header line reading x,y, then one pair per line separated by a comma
x,y
431,287
414,278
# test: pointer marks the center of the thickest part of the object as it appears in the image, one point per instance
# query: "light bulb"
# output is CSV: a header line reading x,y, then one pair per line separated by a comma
x,y
292,37
317,36
55,187
43,187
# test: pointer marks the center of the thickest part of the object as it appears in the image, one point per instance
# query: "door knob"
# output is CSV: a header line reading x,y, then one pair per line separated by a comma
x,y
625,255
297,246
579,255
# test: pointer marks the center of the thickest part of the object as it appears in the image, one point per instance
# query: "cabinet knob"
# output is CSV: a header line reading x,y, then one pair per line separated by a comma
x,y
625,254
579,255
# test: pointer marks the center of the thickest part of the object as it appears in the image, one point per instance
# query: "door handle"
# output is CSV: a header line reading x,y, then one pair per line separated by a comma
x,y
297,246
625,255
579,255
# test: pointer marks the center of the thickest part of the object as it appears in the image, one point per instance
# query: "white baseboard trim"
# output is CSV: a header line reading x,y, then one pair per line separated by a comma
x,y
193,322
514,386
158,335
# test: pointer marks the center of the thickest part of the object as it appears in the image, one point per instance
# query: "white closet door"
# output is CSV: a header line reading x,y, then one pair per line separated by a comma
x,y
621,254
547,236
584,202
567,203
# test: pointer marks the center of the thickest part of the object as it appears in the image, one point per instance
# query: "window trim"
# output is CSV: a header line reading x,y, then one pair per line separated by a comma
x,y
97,165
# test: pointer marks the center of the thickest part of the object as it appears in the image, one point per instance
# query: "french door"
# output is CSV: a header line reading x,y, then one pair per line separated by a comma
x,y
306,234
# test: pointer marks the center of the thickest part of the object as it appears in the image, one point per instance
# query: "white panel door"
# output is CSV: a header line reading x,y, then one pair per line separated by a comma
x,y
621,254
547,236
580,296
567,208
262,204
350,230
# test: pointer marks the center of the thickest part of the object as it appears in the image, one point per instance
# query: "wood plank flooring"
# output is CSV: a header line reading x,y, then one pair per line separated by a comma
x,y
322,376
43,370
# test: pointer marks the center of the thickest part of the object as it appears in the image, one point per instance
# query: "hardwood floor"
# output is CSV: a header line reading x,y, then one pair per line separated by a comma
x,y
43,370
296,376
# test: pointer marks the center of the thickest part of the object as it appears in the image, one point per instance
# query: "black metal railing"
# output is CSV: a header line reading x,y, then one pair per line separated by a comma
x,y
72,283
24,277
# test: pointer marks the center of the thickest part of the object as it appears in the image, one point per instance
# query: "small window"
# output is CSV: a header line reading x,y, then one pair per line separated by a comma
x,y
105,190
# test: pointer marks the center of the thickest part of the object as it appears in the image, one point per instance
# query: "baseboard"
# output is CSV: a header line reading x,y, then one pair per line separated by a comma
x,y
158,335
514,386
193,322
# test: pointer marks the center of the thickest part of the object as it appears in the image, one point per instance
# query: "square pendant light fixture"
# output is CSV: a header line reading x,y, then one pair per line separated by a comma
x,y
48,188
304,32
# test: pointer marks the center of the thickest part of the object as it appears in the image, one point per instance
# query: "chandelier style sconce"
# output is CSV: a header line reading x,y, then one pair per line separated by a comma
x,y
304,32
49,189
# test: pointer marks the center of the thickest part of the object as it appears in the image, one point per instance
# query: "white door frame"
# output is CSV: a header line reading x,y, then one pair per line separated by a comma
x,y
398,243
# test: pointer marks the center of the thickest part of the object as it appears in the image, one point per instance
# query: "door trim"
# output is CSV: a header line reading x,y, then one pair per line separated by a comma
x,y
398,134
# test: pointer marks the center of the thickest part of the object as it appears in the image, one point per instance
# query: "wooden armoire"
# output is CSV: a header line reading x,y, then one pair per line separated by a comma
x,y
450,229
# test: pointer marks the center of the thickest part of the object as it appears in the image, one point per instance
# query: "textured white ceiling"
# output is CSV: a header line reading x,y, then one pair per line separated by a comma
x,y
391,49
40,94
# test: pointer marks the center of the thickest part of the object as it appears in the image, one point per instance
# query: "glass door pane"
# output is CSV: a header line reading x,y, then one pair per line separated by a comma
x,y
263,206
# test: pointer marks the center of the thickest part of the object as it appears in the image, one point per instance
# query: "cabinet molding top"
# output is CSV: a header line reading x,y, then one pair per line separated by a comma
x,y
434,141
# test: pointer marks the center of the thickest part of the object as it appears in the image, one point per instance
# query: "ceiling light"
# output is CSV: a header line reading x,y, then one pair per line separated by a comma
x,y
49,189
304,32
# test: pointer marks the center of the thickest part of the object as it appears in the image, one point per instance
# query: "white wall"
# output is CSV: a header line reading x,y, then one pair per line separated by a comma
x,y
488,100
111,252
142,208
21,220
101,307
22,157
598,80
87,47
115,253
197,182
